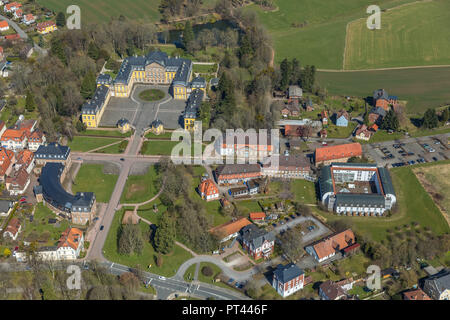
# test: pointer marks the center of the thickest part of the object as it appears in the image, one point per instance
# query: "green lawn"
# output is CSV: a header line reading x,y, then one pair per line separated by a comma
x,y
422,88
247,206
84,144
337,132
40,225
304,191
409,36
414,205
382,135
115,149
147,212
151,95
165,135
162,147
103,10
140,188
104,133
190,273
204,68
205,279
90,178
171,262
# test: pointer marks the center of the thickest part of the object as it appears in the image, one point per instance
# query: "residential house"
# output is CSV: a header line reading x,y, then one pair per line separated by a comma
x,y
7,159
342,118
329,290
12,7
288,167
323,133
327,247
6,207
18,182
363,133
339,153
237,173
208,190
52,152
288,279
324,117
295,92
70,244
257,216
230,229
238,192
28,19
416,294
257,242
24,159
309,105
254,186
376,115
46,27
13,229
16,138
291,109
18,14
437,286
4,26
36,139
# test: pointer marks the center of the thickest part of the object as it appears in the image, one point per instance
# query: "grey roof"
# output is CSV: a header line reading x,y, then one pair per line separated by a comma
x,y
5,205
360,200
193,104
386,181
288,272
378,110
96,102
214,81
198,82
104,78
184,71
290,162
438,282
295,91
238,168
156,123
55,194
256,236
52,151
325,181
122,122
380,94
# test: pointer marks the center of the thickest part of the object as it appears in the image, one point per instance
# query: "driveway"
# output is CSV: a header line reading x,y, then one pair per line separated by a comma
x,y
319,231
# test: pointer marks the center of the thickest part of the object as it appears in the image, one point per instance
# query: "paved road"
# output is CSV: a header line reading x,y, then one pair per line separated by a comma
x,y
22,33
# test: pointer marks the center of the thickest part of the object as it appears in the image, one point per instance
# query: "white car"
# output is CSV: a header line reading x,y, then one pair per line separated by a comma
x,y
431,150
161,278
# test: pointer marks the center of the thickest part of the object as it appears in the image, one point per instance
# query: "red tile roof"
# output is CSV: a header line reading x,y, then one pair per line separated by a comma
x,y
339,241
13,226
207,187
338,152
6,157
417,294
231,227
257,215
70,238
4,24
25,157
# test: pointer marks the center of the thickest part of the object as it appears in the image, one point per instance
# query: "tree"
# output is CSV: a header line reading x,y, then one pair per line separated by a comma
x,y
29,102
88,85
291,241
430,119
305,131
285,74
445,115
390,121
60,19
188,36
130,240
165,235
56,49
93,51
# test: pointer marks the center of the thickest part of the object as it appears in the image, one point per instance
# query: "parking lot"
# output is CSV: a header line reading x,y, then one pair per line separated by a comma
x,y
409,151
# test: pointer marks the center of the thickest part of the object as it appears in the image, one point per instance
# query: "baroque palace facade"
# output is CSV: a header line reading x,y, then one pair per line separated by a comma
x,y
156,68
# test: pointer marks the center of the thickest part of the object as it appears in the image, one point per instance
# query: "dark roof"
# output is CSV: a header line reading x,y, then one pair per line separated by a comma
x,y
104,78
238,168
386,181
438,282
122,122
198,82
288,272
256,236
291,161
214,81
360,200
378,110
193,104
332,290
52,151
325,181
380,94
55,194
97,101
5,205
156,123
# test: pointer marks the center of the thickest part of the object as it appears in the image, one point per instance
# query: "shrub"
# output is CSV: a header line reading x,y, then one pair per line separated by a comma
x,y
207,271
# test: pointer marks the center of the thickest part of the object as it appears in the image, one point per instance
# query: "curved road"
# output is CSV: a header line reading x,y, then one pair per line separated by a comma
x,y
22,33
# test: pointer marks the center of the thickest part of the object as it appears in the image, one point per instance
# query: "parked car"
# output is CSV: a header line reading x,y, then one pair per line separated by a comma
x,y
102,227
292,216
161,278
435,159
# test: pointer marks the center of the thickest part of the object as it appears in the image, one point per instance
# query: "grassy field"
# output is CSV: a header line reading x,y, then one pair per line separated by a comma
x,y
151,95
147,212
84,144
140,188
324,28
190,273
103,10
304,191
115,149
422,88
436,180
104,133
171,262
334,131
103,185
162,147
409,36
414,205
